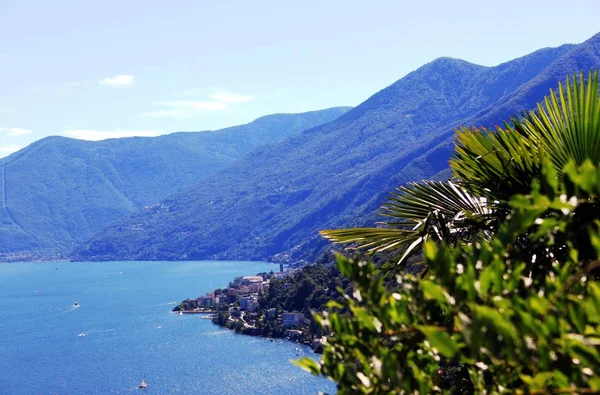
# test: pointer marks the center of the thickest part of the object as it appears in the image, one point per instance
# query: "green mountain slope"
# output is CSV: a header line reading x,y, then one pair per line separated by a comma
x,y
271,203
59,191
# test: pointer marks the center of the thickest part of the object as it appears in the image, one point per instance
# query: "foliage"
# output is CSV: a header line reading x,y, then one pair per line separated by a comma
x,y
498,164
419,211
481,319
308,289
489,168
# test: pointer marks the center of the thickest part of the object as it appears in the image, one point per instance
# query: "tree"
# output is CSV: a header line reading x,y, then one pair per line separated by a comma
x,y
477,321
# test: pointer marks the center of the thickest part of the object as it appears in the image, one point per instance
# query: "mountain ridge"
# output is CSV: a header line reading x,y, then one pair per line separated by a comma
x,y
271,203
58,191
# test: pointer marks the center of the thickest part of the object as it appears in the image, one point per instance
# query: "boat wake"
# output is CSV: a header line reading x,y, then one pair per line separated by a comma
x,y
96,331
44,314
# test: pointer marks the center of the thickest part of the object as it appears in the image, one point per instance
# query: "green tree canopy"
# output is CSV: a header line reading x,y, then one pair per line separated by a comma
x,y
478,321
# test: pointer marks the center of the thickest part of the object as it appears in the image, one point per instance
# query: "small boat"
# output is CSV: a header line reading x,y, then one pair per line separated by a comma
x,y
75,304
81,335
180,312
143,385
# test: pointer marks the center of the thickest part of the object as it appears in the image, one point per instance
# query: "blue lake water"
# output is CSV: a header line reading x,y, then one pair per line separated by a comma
x,y
130,333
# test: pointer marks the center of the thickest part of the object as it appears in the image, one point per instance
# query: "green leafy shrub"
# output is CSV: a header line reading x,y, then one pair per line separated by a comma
x,y
519,313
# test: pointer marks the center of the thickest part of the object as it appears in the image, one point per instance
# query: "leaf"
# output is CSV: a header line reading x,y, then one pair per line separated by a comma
x,y
580,350
307,364
576,315
440,340
429,250
433,291
485,280
539,381
492,318
418,212
594,383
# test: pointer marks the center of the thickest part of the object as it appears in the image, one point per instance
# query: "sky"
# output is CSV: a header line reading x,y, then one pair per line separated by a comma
x,y
103,69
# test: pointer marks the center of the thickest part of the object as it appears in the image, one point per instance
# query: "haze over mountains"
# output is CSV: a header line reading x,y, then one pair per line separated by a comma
x,y
271,203
58,191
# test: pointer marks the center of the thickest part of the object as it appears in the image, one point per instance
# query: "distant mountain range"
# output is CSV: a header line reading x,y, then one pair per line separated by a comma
x,y
57,192
271,203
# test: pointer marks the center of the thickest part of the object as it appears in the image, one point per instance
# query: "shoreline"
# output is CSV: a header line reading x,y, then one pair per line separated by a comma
x,y
194,312
269,305
210,314
252,333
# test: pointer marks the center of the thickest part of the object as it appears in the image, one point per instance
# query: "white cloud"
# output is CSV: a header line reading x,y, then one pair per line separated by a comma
x,y
164,114
193,105
219,101
16,131
118,80
6,150
96,135
231,98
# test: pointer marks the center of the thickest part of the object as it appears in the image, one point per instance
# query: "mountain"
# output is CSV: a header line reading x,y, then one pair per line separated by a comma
x,y
58,191
271,203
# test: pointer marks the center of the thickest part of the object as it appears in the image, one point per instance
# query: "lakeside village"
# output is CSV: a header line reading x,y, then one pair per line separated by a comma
x,y
256,306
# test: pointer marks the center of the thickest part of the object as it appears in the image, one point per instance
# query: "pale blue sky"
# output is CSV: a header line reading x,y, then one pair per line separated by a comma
x,y
95,69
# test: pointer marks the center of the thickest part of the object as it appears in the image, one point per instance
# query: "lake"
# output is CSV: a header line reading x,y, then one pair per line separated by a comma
x,y
130,333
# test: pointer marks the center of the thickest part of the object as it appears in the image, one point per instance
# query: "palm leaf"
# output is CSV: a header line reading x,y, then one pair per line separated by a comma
x,y
503,162
418,212
496,163
412,203
372,239
567,125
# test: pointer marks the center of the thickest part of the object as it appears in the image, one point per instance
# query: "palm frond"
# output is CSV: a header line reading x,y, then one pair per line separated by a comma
x,y
567,124
503,162
372,239
496,163
412,203
418,212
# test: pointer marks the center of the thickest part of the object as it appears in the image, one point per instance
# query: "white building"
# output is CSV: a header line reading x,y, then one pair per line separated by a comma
x,y
292,319
248,303
247,280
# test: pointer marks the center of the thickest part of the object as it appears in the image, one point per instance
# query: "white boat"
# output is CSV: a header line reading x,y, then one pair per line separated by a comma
x,y
75,304
81,335
143,385
180,312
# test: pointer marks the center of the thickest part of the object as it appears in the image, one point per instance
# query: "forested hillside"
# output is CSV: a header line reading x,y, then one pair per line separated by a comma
x,y
58,191
270,204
